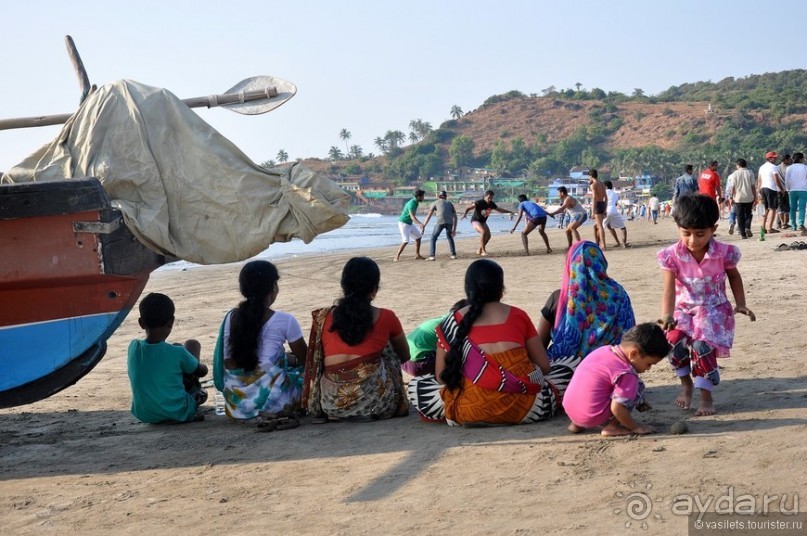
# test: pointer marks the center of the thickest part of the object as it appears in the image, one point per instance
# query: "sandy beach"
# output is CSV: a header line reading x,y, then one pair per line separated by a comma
x,y
78,462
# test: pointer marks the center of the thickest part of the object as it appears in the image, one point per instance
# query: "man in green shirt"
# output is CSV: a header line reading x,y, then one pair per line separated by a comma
x,y
407,224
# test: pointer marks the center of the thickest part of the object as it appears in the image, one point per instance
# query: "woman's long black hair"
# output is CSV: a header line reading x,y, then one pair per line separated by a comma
x,y
484,283
353,314
257,280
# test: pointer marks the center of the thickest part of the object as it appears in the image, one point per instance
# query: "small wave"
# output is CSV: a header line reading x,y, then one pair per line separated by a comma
x,y
368,215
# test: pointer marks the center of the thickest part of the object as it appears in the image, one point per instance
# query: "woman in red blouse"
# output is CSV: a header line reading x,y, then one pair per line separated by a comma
x,y
491,366
353,367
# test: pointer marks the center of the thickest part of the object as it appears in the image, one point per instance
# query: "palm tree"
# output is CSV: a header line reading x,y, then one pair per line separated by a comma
x,y
356,151
282,156
382,144
413,137
456,112
395,138
424,129
578,85
335,153
345,136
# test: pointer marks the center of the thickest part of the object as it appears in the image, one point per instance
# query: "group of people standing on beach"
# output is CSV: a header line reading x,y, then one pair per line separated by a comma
x,y
411,228
483,362
606,214
780,188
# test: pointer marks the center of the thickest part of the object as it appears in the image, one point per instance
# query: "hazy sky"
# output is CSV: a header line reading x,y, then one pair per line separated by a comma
x,y
373,66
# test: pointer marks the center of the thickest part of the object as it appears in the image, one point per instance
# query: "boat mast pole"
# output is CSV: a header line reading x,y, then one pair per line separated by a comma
x,y
78,66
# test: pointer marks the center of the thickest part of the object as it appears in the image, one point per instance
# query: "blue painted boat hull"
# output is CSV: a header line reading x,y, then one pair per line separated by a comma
x,y
70,272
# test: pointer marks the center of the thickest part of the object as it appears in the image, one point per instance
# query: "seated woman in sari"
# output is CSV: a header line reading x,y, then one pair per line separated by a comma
x,y
592,309
353,367
491,367
250,364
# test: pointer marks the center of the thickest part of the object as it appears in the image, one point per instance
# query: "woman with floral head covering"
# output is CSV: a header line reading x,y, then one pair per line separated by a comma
x,y
593,310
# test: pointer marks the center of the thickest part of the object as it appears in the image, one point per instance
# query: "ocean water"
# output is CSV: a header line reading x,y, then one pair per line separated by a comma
x,y
365,231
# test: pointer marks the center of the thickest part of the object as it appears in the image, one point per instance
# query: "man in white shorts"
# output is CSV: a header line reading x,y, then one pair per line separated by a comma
x,y
407,224
613,219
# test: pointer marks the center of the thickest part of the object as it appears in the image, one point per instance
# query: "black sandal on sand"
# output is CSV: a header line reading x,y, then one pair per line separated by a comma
x,y
269,422
266,425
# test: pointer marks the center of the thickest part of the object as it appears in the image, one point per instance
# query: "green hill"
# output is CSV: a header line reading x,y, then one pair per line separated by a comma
x,y
538,136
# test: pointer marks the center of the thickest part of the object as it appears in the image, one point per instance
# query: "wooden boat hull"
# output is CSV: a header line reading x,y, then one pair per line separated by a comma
x,y
70,272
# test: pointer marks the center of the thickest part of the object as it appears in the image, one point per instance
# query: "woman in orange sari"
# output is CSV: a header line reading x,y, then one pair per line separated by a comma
x,y
490,362
353,366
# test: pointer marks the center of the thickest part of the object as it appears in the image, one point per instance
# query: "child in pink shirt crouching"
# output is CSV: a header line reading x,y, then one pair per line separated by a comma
x,y
606,387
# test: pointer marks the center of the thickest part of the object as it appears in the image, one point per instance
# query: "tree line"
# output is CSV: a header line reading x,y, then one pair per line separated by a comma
x,y
758,113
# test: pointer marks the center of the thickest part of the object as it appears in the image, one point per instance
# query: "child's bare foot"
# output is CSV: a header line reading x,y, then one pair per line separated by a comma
x,y
549,250
684,398
614,428
573,428
419,257
707,406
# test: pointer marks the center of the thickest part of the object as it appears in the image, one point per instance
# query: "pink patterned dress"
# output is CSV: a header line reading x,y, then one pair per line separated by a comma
x,y
702,308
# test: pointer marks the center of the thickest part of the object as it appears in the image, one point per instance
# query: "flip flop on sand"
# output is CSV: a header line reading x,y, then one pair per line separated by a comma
x,y
782,247
269,422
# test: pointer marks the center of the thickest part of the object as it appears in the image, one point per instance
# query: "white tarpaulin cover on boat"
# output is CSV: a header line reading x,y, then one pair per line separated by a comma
x,y
184,189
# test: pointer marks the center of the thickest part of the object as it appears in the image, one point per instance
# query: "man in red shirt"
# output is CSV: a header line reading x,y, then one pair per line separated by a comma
x,y
709,182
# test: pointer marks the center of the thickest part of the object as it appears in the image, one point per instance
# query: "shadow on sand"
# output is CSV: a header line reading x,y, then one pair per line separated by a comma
x,y
104,442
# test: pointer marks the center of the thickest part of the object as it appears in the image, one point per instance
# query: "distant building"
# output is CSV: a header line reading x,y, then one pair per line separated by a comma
x,y
577,188
457,182
645,181
578,172
623,186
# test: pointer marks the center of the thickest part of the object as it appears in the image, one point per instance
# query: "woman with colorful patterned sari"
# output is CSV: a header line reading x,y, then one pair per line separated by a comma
x,y
490,362
587,290
593,310
353,366
261,383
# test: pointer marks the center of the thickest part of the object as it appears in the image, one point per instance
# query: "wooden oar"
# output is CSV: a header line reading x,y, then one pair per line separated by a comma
x,y
252,96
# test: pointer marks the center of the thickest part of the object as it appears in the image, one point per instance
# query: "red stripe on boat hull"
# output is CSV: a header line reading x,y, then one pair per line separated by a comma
x,y
48,271
66,298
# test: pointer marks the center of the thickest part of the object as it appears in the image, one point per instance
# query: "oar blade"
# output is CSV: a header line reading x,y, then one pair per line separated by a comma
x,y
285,91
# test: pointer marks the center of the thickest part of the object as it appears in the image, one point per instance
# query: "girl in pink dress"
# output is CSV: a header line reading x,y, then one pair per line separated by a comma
x,y
695,310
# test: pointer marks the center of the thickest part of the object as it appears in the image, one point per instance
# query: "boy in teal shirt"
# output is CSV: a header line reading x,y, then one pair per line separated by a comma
x,y
164,376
